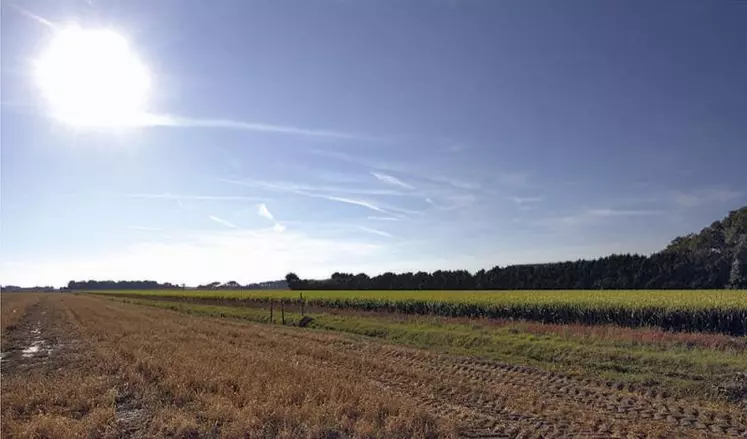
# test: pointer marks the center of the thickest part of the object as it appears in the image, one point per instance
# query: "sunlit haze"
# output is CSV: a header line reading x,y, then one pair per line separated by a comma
x,y
91,78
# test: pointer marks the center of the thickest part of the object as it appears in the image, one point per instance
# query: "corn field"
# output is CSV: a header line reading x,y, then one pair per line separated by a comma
x,y
722,311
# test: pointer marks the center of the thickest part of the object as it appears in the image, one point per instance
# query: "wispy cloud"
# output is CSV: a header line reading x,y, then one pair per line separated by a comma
x,y
383,218
525,200
362,203
442,189
622,212
453,202
593,216
391,180
420,174
178,197
223,222
375,231
264,212
455,182
31,15
307,189
306,192
447,195
700,197
145,229
169,120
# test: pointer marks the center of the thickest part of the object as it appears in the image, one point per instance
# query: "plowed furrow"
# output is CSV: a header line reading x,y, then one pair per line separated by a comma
x,y
608,400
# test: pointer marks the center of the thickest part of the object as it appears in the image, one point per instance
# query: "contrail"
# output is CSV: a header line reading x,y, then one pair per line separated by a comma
x,y
31,15
223,222
263,211
375,231
179,197
351,201
168,120
391,180
313,195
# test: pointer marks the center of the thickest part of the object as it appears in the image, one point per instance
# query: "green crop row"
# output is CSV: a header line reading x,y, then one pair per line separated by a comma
x,y
723,311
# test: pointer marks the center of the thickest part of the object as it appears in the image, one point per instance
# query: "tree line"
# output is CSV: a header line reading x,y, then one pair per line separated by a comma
x,y
233,285
715,258
153,285
120,285
16,288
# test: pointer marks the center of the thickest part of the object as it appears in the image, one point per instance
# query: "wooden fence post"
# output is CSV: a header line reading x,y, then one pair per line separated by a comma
x,y
301,294
282,311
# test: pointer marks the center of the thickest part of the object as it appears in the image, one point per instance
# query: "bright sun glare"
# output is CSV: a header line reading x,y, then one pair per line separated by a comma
x,y
91,78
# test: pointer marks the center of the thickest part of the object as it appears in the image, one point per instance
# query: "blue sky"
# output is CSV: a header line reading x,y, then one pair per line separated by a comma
x,y
322,136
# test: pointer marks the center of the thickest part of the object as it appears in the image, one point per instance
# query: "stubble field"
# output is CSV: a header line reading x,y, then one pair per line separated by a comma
x,y
106,368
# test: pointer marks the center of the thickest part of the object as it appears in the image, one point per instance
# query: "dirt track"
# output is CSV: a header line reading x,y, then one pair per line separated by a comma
x,y
27,345
482,398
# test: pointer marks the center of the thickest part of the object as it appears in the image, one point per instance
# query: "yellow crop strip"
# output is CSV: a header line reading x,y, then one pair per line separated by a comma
x,y
667,299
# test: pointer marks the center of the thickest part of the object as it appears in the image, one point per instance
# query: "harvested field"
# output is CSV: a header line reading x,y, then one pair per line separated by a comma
x,y
676,363
124,370
133,372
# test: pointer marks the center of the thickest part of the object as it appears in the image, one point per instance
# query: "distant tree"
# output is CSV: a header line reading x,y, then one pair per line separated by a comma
x,y
420,280
361,281
292,280
342,281
738,272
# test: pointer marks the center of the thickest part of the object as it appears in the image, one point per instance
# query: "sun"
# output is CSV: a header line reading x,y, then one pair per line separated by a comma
x,y
92,79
